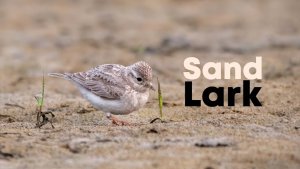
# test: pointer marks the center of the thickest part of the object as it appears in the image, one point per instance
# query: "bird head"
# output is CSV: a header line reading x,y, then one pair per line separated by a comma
x,y
140,74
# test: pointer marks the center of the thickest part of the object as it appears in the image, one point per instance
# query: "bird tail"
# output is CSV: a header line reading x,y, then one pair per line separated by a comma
x,y
60,75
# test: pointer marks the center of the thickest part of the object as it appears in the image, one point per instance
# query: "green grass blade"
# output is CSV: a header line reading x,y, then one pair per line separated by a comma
x,y
40,98
160,99
43,90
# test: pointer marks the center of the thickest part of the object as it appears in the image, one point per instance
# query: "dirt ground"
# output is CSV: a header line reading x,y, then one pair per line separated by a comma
x,y
73,35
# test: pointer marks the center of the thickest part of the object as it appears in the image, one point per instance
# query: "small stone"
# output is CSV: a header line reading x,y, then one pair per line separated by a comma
x,y
153,130
215,142
78,145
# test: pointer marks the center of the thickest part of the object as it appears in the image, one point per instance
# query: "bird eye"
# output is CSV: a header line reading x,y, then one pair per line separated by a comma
x,y
139,79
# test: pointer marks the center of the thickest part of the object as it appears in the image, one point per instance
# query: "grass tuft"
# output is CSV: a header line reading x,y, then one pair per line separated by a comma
x,y
160,104
160,99
40,99
40,104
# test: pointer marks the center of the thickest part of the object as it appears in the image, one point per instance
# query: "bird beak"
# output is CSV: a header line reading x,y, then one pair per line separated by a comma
x,y
151,86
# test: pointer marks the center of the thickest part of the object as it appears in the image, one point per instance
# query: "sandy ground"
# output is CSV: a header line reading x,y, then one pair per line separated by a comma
x,y
73,35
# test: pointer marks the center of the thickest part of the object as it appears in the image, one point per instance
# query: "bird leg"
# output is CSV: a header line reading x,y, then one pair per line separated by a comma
x,y
117,121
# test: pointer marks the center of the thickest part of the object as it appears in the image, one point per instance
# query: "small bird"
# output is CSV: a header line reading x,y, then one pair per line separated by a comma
x,y
113,88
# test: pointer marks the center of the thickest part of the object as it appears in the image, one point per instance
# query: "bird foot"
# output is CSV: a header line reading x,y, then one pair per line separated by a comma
x,y
119,122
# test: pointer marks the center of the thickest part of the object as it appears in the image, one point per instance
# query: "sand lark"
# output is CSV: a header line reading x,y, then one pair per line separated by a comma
x,y
113,88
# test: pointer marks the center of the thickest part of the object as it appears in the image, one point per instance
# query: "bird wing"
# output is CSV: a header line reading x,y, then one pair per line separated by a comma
x,y
105,80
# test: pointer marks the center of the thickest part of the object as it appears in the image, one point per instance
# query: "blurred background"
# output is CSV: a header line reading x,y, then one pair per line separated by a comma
x,y
74,35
